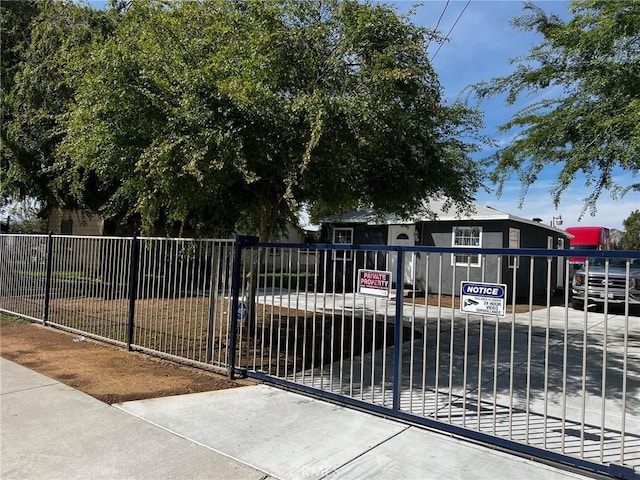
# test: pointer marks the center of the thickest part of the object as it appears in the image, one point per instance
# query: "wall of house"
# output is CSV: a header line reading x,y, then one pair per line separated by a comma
x,y
336,272
533,237
495,234
71,222
426,266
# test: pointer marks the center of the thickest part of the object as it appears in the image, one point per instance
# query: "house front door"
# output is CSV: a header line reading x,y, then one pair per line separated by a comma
x,y
401,235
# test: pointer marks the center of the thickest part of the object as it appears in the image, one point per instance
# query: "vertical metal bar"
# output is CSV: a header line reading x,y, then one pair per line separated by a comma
x,y
513,343
565,360
133,289
373,350
95,256
159,267
603,391
221,292
546,350
342,333
297,314
288,325
353,314
438,337
47,279
186,314
316,269
272,313
483,261
413,328
74,282
120,282
280,317
214,263
452,332
495,354
85,244
397,333
385,324
425,335
146,277
585,341
176,245
625,365
362,355
529,350
465,354
263,256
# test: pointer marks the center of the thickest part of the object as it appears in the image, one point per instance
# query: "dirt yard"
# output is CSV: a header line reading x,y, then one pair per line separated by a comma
x,y
105,372
113,375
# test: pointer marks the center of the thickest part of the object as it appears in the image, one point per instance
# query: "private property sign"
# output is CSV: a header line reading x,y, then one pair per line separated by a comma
x,y
374,283
483,298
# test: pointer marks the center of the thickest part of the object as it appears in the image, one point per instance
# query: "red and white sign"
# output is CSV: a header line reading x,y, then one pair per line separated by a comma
x,y
374,283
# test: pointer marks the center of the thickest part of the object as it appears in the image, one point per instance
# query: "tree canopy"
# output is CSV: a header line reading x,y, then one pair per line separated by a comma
x,y
631,235
42,44
586,73
225,115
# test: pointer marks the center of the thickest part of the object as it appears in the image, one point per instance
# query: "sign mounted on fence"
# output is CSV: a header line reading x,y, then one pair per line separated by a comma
x,y
483,298
374,283
243,311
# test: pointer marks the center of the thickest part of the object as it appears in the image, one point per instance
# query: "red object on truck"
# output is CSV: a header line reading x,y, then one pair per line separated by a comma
x,y
587,238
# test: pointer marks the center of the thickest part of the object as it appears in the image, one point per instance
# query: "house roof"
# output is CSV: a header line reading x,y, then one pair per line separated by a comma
x,y
439,210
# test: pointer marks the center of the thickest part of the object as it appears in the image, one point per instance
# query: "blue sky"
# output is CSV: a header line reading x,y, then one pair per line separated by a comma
x,y
481,44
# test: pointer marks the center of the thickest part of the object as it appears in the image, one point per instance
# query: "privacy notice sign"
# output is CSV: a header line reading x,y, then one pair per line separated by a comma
x,y
374,283
483,298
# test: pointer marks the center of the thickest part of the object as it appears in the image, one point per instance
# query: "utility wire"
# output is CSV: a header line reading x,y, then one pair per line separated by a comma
x,y
450,30
438,24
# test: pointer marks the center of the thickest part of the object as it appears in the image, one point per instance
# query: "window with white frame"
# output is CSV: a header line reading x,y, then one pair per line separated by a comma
x,y
466,237
342,236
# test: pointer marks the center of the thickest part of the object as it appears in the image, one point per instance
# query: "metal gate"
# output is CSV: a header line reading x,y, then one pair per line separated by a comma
x,y
545,379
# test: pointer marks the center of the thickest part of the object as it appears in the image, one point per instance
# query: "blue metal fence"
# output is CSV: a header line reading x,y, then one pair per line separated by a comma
x,y
546,379
555,374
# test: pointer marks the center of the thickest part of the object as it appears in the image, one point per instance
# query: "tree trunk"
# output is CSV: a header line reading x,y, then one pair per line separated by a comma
x,y
267,224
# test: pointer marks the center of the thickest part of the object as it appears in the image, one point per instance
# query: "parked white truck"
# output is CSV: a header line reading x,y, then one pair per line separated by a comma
x,y
606,280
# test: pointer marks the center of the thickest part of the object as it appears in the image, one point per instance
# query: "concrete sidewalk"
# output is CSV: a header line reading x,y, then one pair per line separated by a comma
x,y
49,430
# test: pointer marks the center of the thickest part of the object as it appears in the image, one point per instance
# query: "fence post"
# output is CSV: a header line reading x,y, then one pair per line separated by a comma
x,y
47,279
133,289
397,331
240,242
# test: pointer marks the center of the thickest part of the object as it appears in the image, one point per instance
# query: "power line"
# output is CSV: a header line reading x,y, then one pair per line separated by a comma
x,y
450,30
438,24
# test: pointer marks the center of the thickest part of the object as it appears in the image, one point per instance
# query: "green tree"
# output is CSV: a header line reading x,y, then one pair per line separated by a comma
x,y
41,69
631,235
15,31
219,115
586,70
